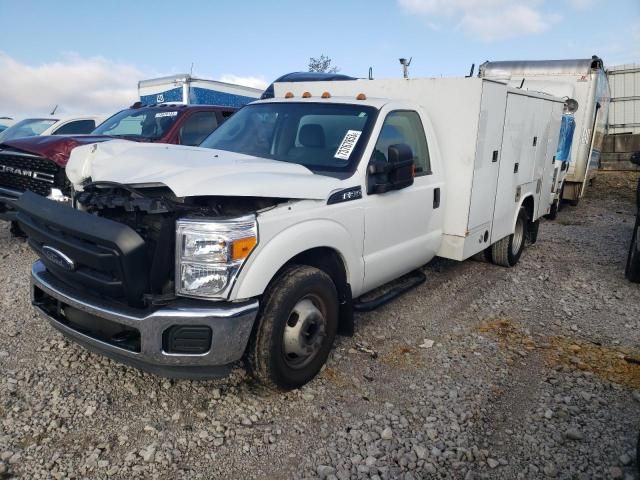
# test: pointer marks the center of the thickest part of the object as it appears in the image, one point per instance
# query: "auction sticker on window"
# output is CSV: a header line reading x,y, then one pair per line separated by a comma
x,y
348,144
166,114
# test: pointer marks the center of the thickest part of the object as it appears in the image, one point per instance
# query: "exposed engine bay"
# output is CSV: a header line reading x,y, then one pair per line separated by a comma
x,y
152,212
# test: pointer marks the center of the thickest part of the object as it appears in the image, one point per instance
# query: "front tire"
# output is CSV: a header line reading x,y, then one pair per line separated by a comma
x,y
632,272
296,328
506,252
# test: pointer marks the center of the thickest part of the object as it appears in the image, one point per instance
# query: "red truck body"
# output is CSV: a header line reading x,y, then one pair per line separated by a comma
x,y
37,163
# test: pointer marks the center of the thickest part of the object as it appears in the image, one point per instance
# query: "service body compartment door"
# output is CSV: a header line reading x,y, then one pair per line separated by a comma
x,y
403,228
487,161
516,163
543,163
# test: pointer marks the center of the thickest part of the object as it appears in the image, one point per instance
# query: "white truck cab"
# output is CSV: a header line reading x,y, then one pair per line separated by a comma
x,y
259,244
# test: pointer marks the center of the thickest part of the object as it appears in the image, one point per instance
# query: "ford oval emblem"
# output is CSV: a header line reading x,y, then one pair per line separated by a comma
x,y
58,258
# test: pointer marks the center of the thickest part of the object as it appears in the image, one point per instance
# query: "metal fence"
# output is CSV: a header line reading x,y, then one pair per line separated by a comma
x,y
624,111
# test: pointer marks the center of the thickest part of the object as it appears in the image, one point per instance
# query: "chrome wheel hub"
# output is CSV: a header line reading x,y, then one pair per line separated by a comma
x,y
518,237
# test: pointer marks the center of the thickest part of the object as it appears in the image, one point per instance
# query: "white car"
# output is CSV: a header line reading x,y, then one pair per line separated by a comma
x,y
31,127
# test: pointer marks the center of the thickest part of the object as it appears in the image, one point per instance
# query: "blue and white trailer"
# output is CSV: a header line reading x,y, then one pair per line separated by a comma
x,y
183,88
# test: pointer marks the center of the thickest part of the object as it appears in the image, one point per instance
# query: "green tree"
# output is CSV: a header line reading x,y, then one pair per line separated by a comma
x,y
322,64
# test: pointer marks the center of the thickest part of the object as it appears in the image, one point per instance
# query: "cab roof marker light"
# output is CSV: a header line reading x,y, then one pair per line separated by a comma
x,y
326,95
288,95
361,96
306,95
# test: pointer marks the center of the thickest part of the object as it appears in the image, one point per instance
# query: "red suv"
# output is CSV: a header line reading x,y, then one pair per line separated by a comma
x,y
37,163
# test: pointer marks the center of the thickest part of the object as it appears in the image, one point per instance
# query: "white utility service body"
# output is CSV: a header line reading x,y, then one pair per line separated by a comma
x,y
481,179
584,80
478,132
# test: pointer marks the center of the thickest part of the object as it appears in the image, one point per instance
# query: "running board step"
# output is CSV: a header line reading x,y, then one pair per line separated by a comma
x,y
414,279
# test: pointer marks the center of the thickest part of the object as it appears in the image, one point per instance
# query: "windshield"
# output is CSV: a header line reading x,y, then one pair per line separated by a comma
x,y
326,137
29,127
149,123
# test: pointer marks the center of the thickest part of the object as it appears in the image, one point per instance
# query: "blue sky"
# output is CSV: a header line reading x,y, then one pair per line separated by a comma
x,y
88,55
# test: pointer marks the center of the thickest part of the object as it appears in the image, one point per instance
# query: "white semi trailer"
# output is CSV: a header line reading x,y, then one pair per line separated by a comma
x,y
584,80
260,243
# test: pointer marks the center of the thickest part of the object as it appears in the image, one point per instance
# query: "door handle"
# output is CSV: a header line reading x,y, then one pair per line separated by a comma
x,y
436,198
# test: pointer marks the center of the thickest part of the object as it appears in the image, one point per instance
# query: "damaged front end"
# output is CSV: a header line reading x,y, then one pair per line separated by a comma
x,y
160,218
107,274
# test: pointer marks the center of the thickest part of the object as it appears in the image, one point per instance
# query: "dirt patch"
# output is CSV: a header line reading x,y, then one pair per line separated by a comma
x,y
509,335
618,185
335,377
612,363
618,365
402,356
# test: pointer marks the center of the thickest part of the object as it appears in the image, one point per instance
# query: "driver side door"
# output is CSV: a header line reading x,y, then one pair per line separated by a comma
x,y
403,228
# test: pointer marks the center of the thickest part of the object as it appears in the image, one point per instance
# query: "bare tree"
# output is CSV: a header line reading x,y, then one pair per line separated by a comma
x,y
322,64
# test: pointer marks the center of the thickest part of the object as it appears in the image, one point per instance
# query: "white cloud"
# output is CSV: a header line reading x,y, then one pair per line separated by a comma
x,y
582,4
78,85
512,21
255,82
486,19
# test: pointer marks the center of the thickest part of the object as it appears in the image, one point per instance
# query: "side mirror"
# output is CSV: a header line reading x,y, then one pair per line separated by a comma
x,y
395,174
635,158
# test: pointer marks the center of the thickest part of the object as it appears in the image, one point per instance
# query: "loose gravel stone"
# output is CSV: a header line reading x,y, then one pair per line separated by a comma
x,y
574,434
523,366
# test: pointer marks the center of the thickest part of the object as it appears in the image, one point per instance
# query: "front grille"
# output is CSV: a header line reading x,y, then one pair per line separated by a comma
x,y
107,257
38,174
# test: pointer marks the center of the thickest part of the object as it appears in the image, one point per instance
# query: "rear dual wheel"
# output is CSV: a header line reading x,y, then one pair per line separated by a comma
x,y
553,212
507,252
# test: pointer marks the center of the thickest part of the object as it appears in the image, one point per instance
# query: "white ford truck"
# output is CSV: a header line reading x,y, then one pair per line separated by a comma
x,y
260,243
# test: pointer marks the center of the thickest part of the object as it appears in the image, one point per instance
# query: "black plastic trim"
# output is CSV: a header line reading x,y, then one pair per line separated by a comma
x,y
346,195
110,257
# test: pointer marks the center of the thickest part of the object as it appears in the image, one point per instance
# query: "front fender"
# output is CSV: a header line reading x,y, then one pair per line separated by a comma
x,y
269,257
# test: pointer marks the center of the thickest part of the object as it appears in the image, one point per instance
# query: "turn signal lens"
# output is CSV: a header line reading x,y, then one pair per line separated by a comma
x,y
242,247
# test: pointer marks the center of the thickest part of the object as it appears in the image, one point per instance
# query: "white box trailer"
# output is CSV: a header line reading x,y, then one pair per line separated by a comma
x,y
184,88
584,80
496,143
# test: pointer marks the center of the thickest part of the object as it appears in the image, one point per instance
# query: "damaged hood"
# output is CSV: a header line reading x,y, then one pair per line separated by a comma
x,y
192,171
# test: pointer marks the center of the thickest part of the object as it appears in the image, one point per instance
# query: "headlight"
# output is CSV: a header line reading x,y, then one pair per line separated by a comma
x,y
209,253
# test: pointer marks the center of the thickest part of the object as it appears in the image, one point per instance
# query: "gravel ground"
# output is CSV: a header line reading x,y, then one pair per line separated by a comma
x,y
481,372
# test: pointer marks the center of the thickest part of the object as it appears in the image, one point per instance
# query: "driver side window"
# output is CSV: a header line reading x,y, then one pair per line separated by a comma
x,y
404,126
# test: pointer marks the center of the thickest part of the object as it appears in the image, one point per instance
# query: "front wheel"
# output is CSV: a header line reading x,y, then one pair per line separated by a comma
x,y
632,271
297,326
506,252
